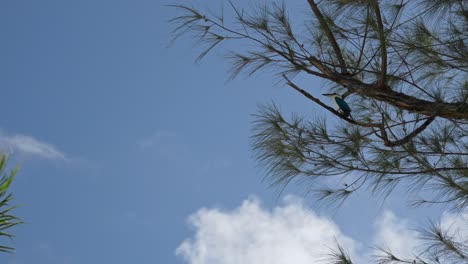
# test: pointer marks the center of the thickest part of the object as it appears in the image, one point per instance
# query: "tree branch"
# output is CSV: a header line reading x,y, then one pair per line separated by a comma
x,y
329,34
316,100
410,136
383,46
456,110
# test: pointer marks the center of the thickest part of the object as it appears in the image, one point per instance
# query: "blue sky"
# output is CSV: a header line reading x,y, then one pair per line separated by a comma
x,y
121,139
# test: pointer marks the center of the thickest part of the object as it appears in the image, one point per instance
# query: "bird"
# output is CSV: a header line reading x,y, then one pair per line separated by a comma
x,y
343,107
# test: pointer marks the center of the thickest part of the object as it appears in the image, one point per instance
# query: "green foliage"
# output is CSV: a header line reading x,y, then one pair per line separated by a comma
x,y
339,256
7,220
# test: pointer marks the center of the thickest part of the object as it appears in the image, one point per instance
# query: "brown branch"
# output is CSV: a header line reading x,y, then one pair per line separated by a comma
x,y
361,51
316,100
383,47
347,93
329,34
410,136
383,135
456,110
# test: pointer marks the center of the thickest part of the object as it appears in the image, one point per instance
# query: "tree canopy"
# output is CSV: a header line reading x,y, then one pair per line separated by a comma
x,y
403,68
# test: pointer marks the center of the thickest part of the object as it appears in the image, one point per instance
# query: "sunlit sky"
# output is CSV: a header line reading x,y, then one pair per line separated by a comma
x,y
122,140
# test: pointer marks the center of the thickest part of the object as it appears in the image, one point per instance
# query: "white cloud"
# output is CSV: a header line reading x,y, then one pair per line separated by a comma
x,y
293,233
456,225
26,145
250,234
395,234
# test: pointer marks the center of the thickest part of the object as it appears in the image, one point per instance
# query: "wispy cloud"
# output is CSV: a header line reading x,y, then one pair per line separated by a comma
x,y
293,233
27,145
166,144
157,139
173,146
216,163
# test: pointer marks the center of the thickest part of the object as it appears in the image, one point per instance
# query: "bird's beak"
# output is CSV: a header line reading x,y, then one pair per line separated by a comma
x,y
327,94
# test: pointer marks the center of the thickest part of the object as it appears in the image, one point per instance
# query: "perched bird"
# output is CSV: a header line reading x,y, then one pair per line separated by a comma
x,y
342,106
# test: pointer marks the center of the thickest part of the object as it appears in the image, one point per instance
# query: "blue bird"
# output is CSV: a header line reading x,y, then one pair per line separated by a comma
x,y
341,105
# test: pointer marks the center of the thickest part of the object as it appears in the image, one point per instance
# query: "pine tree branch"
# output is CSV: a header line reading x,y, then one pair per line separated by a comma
x,y
329,34
383,46
457,110
316,100
410,136
381,126
363,45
